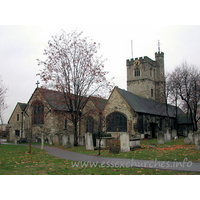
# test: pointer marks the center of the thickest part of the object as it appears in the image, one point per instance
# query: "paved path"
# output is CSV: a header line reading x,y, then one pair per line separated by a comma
x,y
120,162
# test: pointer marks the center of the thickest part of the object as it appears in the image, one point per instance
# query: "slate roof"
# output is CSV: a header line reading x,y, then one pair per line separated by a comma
x,y
58,102
148,106
22,106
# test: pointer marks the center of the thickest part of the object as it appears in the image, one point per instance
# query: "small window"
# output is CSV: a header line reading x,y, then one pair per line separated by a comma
x,y
17,117
17,132
151,72
137,72
38,113
65,127
151,92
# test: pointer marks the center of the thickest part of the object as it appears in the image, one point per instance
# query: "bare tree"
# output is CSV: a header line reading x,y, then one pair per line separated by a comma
x,y
73,68
3,105
185,85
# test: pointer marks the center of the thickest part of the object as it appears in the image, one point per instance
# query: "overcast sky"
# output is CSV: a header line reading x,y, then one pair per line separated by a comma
x,y
113,24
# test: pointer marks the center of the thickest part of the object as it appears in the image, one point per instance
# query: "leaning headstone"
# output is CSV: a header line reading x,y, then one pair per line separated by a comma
x,y
196,137
160,137
56,140
198,145
124,142
167,135
89,141
191,136
187,140
64,140
174,133
114,149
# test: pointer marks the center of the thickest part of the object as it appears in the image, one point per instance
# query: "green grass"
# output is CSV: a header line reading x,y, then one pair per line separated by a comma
x,y
16,160
175,150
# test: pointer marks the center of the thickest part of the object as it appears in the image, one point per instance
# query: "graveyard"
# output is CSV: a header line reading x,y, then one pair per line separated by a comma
x,y
16,159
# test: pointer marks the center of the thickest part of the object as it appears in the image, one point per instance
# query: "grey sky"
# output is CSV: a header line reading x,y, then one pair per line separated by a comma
x,y
112,25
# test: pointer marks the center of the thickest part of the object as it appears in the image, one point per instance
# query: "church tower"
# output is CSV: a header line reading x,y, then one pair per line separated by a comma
x,y
146,77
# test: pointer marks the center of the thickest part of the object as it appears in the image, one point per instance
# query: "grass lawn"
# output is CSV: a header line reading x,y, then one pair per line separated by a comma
x,y
175,150
16,160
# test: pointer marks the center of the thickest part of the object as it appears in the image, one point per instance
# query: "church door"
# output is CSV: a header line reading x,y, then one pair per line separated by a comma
x,y
153,130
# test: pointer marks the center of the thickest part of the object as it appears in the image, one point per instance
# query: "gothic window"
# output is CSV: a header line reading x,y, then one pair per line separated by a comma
x,y
151,92
65,124
90,125
17,117
137,72
116,122
38,113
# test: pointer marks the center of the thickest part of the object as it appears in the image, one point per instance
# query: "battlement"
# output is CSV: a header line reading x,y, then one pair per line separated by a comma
x,y
159,54
144,59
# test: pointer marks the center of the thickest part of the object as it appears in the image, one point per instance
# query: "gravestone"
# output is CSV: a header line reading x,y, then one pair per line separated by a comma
x,y
71,139
198,145
80,140
152,145
196,137
15,141
68,145
113,149
191,136
124,142
167,135
102,143
160,137
64,140
174,133
42,141
185,133
56,140
187,140
89,141
50,139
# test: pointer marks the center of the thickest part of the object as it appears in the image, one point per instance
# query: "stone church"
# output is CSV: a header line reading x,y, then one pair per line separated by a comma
x,y
141,110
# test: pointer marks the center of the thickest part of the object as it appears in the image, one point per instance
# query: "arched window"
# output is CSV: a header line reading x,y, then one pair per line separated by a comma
x,y
137,72
116,122
38,113
90,125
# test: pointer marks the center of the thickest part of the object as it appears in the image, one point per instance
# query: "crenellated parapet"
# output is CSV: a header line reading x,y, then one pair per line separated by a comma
x,y
142,60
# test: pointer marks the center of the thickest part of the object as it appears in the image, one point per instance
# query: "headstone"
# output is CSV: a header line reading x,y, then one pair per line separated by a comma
x,y
160,137
185,133
198,145
15,140
102,144
89,141
187,140
56,140
113,149
68,145
71,139
50,139
80,140
42,141
167,135
191,136
152,146
174,133
196,137
124,142
64,140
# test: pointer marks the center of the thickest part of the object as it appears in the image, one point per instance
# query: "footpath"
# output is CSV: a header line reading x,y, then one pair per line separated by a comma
x,y
82,160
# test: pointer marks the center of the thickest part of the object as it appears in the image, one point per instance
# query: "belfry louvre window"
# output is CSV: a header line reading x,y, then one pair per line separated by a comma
x,y
116,122
137,72
38,113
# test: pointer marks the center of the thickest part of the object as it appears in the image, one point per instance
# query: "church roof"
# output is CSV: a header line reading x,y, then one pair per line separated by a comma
x,y
58,102
22,106
148,106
